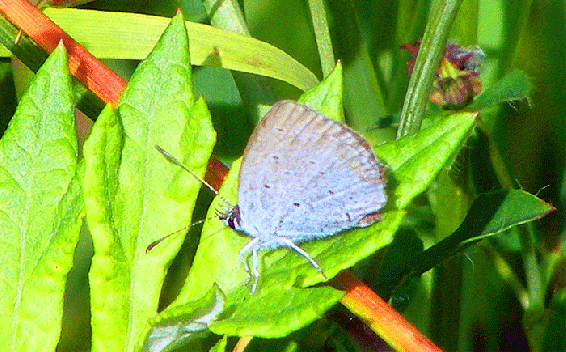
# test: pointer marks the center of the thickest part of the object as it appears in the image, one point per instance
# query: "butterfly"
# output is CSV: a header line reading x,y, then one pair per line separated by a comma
x,y
303,177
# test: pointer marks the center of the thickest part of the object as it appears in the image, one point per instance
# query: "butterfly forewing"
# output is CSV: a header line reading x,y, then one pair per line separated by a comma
x,y
306,176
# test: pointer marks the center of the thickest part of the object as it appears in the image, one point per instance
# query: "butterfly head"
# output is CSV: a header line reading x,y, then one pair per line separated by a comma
x,y
232,218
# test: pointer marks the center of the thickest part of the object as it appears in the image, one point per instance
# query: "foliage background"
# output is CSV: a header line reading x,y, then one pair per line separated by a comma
x,y
469,303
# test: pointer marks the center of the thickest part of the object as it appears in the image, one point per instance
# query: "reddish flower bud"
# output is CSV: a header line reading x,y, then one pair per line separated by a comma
x,y
457,78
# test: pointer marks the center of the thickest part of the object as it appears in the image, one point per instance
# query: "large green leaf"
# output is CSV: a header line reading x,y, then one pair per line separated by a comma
x,y
134,196
41,210
109,273
326,97
490,214
121,35
416,160
514,86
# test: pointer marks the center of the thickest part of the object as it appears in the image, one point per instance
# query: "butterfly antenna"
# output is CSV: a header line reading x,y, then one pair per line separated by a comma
x,y
175,161
156,242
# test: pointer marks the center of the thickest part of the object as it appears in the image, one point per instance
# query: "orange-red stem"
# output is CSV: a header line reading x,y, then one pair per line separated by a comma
x,y
86,68
380,317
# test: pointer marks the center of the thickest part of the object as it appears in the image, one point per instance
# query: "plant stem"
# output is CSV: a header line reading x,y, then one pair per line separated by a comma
x,y
322,35
226,15
91,72
533,319
442,16
254,90
24,49
381,317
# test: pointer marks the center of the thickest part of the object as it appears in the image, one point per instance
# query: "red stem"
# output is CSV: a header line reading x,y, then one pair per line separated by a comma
x,y
86,68
381,317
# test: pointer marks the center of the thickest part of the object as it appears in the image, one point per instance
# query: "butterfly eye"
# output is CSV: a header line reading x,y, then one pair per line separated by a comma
x,y
233,218
231,223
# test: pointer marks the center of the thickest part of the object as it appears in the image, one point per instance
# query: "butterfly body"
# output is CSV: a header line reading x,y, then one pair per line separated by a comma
x,y
303,177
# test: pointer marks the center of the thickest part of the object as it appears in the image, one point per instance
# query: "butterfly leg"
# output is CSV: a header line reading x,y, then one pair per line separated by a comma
x,y
255,263
292,245
250,247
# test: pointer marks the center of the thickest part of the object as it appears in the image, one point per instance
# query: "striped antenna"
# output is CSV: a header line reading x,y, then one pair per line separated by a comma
x,y
175,161
156,242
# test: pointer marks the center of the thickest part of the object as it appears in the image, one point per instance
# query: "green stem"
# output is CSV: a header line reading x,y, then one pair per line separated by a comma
x,y
33,57
322,36
21,46
226,15
254,90
533,319
509,276
436,33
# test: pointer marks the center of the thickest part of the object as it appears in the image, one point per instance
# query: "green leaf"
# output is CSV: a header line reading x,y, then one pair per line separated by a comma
x,y
120,35
364,98
179,326
134,196
292,307
322,33
490,214
41,209
280,306
415,160
221,345
326,97
109,274
514,86
394,265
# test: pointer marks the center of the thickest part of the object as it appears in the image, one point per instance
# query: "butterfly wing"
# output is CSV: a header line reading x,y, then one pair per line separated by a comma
x,y
305,176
